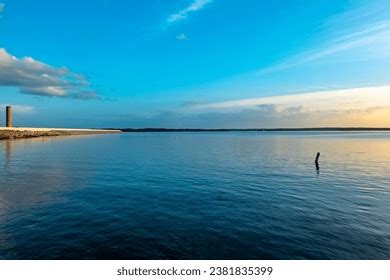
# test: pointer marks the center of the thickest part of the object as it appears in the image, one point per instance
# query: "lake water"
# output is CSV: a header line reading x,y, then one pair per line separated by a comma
x,y
239,195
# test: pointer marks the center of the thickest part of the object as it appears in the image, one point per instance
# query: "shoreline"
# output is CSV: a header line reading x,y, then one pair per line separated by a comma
x,y
25,133
314,129
9,133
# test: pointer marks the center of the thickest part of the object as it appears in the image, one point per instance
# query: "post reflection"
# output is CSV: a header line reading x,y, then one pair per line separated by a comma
x,y
8,153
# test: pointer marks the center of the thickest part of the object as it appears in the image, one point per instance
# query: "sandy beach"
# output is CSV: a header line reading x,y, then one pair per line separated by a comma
x,y
24,132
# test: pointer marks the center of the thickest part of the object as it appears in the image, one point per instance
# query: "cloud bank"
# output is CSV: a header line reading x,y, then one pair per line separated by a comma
x,y
37,78
355,107
344,99
193,7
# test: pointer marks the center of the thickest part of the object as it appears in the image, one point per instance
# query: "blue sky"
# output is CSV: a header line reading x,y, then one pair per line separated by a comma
x,y
195,63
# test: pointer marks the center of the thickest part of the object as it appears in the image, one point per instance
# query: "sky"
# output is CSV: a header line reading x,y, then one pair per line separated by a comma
x,y
195,63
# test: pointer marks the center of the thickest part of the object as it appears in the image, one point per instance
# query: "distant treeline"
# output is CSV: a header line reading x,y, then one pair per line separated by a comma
x,y
254,129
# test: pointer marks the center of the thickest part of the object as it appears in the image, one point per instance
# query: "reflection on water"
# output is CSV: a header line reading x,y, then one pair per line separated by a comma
x,y
196,196
8,152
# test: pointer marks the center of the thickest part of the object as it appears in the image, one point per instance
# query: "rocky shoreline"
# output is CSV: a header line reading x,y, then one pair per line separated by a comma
x,y
23,134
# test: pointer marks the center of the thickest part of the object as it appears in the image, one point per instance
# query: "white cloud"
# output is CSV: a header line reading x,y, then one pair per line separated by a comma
x,y
365,29
375,36
181,37
37,78
193,7
345,100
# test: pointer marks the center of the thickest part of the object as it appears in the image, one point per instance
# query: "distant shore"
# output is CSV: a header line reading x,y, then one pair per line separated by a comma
x,y
255,129
23,133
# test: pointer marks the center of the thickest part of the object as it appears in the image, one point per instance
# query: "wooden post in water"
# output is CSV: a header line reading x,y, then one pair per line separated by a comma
x,y
8,116
316,161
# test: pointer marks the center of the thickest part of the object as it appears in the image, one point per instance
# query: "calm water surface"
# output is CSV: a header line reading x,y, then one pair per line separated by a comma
x,y
196,196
